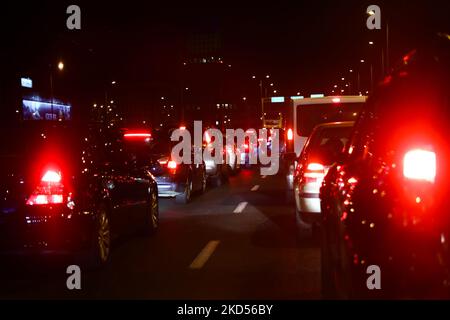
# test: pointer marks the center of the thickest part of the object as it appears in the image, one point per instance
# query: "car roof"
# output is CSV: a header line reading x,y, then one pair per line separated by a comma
x,y
339,124
330,100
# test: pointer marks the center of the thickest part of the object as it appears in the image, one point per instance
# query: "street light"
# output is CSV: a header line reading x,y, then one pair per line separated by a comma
x,y
60,66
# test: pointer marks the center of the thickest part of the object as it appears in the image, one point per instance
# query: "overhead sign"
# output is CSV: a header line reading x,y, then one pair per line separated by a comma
x,y
26,82
277,99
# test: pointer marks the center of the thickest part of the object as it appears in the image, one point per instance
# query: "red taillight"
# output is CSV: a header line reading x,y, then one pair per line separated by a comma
x,y
51,177
137,135
419,164
49,191
314,171
290,135
172,165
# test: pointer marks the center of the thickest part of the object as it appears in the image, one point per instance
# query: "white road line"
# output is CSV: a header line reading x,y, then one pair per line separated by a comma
x,y
255,188
264,177
241,206
204,255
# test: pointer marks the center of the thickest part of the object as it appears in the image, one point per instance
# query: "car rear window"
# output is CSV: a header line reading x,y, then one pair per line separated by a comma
x,y
328,143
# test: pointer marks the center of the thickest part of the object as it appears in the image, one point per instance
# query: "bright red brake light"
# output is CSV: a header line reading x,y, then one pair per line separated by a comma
x,y
419,164
315,167
137,135
314,171
290,135
51,177
49,191
171,164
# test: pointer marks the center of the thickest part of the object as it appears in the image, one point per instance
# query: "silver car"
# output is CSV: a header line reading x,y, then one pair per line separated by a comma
x,y
320,152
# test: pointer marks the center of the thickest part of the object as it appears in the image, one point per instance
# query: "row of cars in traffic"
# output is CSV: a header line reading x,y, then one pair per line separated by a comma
x,y
377,188
72,187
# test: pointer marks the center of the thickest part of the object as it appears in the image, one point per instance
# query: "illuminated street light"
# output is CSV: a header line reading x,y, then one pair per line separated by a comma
x,y
335,85
113,82
267,76
351,70
253,77
362,61
343,79
61,66
244,98
371,42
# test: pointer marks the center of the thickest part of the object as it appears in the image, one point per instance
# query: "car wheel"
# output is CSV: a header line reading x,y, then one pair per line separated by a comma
x,y
185,197
100,251
152,220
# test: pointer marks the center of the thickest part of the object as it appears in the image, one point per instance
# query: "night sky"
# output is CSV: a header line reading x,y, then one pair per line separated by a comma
x,y
304,45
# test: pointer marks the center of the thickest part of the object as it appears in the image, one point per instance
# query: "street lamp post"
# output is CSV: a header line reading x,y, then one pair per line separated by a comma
x,y
60,68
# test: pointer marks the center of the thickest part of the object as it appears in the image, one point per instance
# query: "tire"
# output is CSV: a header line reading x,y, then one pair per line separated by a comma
x,y
152,219
185,197
100,251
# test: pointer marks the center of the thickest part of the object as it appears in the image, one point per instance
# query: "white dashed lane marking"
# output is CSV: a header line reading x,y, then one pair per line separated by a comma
x,y
241,206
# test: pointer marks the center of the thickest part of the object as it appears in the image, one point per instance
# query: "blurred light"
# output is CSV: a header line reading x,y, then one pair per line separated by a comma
x,y
297,97
317,95
290,134
277,99
267,76
336,100
370,42
351,70
342,79
362,61
419,165
60,66
26,82
51,177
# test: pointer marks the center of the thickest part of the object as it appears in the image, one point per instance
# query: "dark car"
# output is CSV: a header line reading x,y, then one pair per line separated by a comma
x,y
174,180
386,203
70,188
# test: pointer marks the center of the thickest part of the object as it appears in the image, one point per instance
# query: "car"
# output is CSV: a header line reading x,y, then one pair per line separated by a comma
x,y
321,151
307,114
68,187
385,203
174,180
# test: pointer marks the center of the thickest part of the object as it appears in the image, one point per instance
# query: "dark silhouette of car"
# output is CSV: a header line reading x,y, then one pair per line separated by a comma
x,y
152,151
386,203
70,188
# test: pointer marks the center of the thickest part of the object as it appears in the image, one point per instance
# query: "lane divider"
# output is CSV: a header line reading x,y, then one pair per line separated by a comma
x,y
255,188
204,255
241,206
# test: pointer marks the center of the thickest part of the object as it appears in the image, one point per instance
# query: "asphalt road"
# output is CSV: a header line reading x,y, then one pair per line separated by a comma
x,y
216,247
